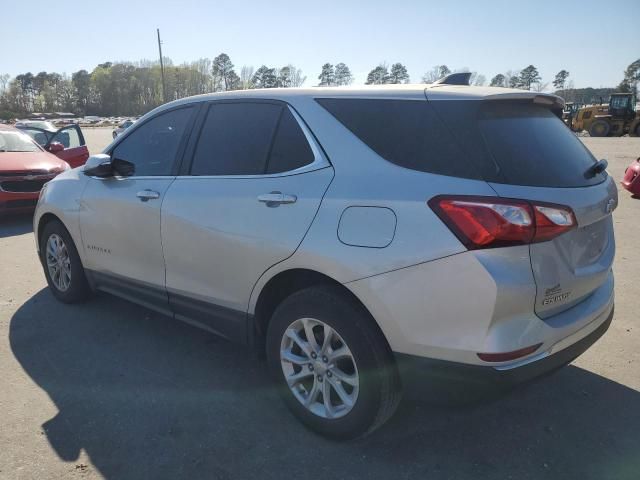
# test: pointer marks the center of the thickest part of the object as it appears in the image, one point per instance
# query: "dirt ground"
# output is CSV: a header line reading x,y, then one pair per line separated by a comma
x,y
111,390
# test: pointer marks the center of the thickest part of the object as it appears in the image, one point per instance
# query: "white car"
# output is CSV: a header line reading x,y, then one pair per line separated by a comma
x,y
354,235
122,127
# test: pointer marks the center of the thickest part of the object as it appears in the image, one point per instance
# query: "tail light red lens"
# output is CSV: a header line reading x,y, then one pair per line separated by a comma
x,y
507,356
489,222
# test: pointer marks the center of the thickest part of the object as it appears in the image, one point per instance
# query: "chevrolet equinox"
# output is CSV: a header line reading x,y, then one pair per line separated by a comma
x,y
347,232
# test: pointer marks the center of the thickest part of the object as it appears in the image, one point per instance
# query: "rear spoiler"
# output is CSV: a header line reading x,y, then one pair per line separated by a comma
x,y
552,101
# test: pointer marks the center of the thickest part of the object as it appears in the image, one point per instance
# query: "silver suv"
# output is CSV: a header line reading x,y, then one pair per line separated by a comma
x,y
358,236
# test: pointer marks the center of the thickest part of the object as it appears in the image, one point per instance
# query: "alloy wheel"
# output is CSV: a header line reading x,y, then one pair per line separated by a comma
x,y
58,262
319,368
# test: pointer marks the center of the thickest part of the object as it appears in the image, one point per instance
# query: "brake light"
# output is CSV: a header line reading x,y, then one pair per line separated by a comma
x,y
488,222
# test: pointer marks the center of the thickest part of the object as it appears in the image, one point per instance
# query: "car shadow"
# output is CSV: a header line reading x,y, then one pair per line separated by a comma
x,y
12,225
148,397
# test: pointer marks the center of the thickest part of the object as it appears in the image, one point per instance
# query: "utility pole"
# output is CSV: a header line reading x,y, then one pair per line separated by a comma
x,y
164,85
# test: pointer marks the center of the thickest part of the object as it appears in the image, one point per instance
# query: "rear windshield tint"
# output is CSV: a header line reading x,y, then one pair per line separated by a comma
x,y
407,133
531,146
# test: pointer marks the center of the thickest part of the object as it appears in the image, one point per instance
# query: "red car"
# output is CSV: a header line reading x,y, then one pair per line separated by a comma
x,y
24,168
631,180
74,150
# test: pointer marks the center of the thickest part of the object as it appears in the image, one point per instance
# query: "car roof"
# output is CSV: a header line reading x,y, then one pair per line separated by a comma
x,y
405,91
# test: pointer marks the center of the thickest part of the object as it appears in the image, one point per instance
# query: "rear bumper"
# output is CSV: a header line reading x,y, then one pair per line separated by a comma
x,y
414,368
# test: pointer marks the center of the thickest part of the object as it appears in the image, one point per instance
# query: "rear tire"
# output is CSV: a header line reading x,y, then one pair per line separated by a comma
x,y
637,130
356,368
599,128
62,266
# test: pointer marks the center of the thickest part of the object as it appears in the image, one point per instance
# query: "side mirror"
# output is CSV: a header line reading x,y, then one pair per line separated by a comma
x,y
55,147
123,168
98,166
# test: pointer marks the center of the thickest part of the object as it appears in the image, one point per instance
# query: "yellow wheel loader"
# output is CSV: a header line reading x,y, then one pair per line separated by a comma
x,y
613,120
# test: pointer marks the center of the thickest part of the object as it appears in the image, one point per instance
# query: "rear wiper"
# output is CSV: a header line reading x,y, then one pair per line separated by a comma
x,y
598,167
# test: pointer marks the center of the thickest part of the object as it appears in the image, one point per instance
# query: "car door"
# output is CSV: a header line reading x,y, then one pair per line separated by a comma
x,y
120,216
255,183
75,151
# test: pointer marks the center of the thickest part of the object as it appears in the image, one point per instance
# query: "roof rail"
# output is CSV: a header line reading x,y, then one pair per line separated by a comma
x,y
460,78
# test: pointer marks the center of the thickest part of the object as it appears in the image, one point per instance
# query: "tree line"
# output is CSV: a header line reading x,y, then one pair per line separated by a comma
x,y
128,89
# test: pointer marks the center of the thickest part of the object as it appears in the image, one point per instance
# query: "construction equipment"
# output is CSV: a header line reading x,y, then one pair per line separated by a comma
x,y
569,112
614,120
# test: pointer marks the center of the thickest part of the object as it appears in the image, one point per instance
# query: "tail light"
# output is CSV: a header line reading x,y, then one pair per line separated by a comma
x,y
488,222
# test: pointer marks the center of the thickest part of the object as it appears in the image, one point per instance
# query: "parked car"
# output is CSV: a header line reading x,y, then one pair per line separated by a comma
x,y
631,180
353,234
24,168
67,142
122,127
39,124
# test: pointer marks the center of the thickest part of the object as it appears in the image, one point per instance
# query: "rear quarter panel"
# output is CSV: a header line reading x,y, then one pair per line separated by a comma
x,y
362,178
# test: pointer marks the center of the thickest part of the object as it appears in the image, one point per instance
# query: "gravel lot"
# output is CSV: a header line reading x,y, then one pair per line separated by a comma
x,y
111,390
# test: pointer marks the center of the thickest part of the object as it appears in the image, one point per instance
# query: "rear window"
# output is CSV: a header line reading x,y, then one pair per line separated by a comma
x,y
407,133
532,146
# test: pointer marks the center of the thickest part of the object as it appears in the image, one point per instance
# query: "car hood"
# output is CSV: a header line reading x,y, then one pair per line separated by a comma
x,y
15,162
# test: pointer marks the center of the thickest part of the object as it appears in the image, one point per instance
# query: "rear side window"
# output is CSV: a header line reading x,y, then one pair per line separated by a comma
x,y
250,139
290,147
235,139
531,146
407,133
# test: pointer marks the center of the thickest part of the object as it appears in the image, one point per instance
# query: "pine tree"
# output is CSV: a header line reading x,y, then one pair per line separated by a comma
x,y
398,74
343,75
529,76
378,76
498,81
327,76
284,77
224,77
561,79
264,77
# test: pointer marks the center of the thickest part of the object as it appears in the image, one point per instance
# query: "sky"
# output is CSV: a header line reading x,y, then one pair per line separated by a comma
x,y
487,36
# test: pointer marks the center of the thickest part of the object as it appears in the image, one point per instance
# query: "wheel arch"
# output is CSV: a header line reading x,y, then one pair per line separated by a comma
x,y
42,221
287,282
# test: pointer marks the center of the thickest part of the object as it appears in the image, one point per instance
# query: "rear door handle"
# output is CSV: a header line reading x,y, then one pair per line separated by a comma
x,y
274,199
146,195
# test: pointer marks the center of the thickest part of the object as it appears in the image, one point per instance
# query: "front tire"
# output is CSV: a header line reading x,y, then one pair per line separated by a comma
x,y
62,266
333,367
599,128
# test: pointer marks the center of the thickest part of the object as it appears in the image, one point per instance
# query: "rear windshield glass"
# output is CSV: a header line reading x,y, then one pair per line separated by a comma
x,y
531,146
407,133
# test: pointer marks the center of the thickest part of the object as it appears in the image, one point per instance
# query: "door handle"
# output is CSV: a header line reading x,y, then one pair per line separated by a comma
x,y
146,195
274,199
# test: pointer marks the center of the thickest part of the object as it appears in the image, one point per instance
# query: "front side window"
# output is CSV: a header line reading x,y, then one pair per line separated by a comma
x,y
250,139
68,137
153,146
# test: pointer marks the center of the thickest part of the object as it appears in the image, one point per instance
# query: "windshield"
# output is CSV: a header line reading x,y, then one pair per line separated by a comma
x,y
16,142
